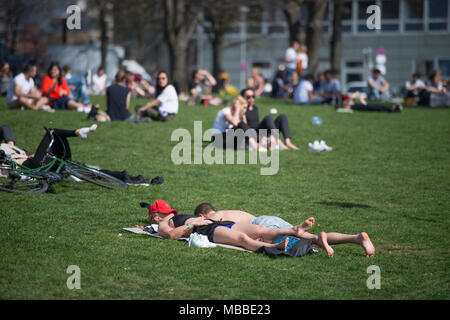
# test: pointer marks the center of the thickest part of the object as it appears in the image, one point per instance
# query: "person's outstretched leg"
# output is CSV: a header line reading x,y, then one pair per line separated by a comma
x,y
282,124
6,134
236,238
333,238
255,231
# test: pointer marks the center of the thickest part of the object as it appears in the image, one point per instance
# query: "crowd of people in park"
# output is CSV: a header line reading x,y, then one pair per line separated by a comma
x,y
60,89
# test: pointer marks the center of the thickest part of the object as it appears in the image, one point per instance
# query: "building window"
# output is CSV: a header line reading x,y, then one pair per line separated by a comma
x,y
444,66
347,14
362,8
438,8
414,9
390,9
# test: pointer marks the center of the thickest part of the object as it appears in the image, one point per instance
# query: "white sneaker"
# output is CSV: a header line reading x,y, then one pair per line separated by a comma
x,y
314,147
324,146
199,241
47,108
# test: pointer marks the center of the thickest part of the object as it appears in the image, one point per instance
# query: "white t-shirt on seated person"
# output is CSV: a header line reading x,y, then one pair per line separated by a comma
x,y
25,86
301,92
169,100
221,125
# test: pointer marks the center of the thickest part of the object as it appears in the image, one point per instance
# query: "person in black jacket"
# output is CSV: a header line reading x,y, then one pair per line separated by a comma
x,y
281,122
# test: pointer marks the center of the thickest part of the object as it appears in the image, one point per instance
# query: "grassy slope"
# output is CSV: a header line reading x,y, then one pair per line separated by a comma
x,y
388,175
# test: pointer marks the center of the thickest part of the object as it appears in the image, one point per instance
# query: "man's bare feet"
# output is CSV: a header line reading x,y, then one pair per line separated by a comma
x,y
306,225
367,244
322,240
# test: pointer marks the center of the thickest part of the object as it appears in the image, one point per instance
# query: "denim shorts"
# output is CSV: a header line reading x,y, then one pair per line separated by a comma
x,y
271,222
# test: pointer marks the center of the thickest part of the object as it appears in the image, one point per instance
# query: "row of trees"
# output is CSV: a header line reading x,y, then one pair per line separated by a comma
x,y
147,23
178,19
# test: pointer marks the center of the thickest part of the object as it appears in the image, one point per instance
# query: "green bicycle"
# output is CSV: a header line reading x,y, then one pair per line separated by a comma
x,y
17,178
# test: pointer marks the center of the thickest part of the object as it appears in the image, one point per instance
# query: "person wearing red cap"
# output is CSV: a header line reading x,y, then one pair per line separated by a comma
x,y
172,225
322,240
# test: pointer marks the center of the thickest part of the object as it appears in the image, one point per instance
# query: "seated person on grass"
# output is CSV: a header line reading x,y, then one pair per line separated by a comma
x,y
348,104
227,120
172,225
281,123
304,92
118,99
323,240
165,106
378,86
54,86
200,88
60,148
22,91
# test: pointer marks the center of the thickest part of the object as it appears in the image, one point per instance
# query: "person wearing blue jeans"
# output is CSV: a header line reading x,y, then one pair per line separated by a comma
x,y
77,85
323,240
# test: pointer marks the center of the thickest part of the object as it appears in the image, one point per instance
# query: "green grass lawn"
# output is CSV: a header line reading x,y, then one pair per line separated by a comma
x,y
388,175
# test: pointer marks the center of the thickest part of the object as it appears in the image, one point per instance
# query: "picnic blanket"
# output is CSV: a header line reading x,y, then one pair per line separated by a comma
x,y
148,231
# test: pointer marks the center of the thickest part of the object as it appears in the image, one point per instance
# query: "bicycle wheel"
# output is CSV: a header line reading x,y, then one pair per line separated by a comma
x,y
95,176
19,183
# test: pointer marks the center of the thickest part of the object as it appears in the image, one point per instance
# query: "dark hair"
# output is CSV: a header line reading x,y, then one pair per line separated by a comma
x,y
416,75
309,77
376,71
433,74
329,71
160,89
203,208
29,66
55,64
66,68
245,89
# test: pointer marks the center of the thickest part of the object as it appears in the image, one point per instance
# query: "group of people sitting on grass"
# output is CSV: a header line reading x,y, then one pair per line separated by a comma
x,y
242,229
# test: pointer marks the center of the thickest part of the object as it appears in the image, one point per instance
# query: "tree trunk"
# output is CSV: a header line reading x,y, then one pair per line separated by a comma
x,y
316,10
217,51
291,10
179,25
336,39
103,34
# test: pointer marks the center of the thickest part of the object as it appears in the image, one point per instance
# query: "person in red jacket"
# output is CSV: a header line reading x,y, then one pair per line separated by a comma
x,y
54,86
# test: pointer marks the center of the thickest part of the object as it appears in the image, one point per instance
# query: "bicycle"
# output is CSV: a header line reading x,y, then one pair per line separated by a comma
x,y
17,178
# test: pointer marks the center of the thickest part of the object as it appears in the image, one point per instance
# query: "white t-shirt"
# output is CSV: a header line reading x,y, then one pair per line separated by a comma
x,y
221,125
303,57
291,54
301,92
25,86
99,83
169,100
417,84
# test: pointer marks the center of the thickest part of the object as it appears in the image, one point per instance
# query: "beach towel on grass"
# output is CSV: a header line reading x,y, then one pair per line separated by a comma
x,y
297,247
150,232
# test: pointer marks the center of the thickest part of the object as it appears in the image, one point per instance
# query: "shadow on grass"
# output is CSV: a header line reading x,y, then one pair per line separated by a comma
x,y
345,204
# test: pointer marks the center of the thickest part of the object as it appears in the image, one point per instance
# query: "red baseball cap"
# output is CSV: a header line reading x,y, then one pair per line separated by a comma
x,y
161,206
345,97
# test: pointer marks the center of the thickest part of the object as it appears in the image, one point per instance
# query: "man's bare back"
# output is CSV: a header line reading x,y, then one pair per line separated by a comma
x,y
231,215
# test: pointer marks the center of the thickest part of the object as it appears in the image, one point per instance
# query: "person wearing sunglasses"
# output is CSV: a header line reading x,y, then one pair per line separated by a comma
x,y
252,122
165,106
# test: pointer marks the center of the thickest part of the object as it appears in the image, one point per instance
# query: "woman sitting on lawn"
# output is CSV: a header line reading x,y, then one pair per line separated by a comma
x,y
229,118
165,106
54,86
245,235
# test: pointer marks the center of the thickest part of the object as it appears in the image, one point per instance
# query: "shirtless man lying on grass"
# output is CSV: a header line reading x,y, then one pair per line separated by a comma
x,y
172,225
323,240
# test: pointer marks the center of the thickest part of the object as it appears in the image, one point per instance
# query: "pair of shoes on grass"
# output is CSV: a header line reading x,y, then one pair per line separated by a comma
x,y
319,146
